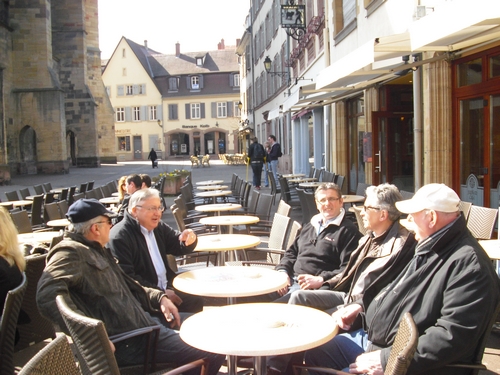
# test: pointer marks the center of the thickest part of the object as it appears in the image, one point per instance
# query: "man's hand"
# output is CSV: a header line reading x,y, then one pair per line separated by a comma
x,y
168,309
367,363
345,316
187,236
309,281
173,297
284,290
112,346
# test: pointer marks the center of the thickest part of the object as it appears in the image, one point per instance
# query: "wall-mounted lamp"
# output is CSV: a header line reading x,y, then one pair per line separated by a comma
x,y
160,124
240,105
267,67
217,123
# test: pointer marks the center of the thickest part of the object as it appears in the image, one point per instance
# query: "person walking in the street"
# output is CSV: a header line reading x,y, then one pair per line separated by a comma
x,y
273,156
152,155
257,154
267,147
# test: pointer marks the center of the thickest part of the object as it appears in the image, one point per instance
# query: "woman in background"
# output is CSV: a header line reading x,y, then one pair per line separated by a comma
x,y
122,188
12,262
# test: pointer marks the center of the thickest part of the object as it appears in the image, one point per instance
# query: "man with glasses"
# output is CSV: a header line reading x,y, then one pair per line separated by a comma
x,y
323,247
141,243
450,287
83,270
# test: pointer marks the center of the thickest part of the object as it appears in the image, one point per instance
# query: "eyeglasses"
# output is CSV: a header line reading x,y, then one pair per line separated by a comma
x,y
105,222
366,208
327,200
153,209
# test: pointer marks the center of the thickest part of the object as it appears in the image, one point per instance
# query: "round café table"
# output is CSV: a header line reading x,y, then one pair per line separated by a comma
x,y
109,200
294,175
258,330
210,182
20,203
302,179
230,220
310,185
221,243
353,198
492,248
58,223
40,237
218,207
214,194
212,187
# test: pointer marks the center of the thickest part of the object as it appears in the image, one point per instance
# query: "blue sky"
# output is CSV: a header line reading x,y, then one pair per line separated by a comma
x,y
198,25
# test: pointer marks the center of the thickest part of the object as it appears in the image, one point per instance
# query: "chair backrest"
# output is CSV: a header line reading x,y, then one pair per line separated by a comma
x,y
12,196
179,220
311,172
294,231
263,209
47,187
38,189
307,204
63,208
465,208
24,192
38,328
83,187
272,183
283,208
64,194
98,193
48,198
22,221
51,212
234,178
277,236
90,194
339,180
78,196
253,199
482,221
37,211
8,323
403,348
317,173
71,195
90,185
91,340
407,194
285,190
106,191
361,188
55,359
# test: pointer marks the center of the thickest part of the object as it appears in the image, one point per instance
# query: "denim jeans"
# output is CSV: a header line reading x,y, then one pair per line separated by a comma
x,y
266,178
339,352
274,169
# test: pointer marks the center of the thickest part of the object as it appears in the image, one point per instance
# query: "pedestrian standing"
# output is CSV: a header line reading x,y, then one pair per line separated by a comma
x,y
152,155
256,153
273,156
267,167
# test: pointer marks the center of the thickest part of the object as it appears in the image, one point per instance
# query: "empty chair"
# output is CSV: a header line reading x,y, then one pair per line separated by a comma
x,y
21,221
465,208
55,359
37,211
286,193
78,196
51,212
90,185
8,323
38,189
71,194
106,191
339,180
361,189
64,194
48,198
24,193
90,194
317,174
98,193
47,187
12,196
83,188
406,194
63,208
294,231
482,221
307,204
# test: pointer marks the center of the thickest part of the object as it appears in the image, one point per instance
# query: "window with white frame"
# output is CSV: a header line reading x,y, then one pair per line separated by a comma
x,y
152,113
130,89
236,110
195,82
236,80
136,113
120,114
221,109
195,111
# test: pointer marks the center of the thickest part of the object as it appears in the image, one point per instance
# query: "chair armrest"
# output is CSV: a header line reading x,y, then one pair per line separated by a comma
x,y
478,366
297,370
203,363
136,332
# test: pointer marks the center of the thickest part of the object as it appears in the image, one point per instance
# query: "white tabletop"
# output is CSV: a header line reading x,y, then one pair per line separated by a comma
x,y
492,248
210,182
225,242
258,329
353,198
58,223
217,207
110,200
303,179
214,193
309,184
43,237
17,203
236,281
212,187
294,175
229,220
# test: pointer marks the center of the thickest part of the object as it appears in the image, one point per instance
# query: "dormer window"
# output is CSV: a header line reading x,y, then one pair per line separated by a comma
x,y
199,61
195,82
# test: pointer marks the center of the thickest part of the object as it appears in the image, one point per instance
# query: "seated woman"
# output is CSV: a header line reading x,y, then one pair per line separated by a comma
x,y
12,262
122,188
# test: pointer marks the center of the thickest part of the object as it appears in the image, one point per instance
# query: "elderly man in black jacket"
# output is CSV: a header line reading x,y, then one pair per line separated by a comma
x,y
450,288
141,243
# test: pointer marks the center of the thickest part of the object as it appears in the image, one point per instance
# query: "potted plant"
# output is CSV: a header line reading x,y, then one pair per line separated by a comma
x,y
172,184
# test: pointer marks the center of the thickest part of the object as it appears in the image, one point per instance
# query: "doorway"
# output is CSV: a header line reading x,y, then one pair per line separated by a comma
x,y
137,147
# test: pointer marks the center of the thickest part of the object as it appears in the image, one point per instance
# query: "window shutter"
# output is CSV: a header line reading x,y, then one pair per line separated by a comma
x,y
202,110
135,89
144,113
188,111
172,112
230,106
188,82
213,106
201,81
231,80
143,89
119,90
159,112
128,114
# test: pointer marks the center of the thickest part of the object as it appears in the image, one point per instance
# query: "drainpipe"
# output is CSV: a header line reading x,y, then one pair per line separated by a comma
x,y
417,125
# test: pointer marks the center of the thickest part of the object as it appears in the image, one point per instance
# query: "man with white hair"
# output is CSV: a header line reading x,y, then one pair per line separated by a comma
x,y
83,270
141,243
449,287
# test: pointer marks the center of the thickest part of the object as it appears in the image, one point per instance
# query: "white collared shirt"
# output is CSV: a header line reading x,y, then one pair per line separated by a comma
x,y
319,225
155,255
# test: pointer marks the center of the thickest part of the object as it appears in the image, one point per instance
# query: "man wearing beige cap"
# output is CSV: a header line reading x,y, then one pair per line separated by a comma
x,y
450,288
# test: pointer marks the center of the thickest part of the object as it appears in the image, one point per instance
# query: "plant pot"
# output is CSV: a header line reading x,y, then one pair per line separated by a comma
x,y
172,185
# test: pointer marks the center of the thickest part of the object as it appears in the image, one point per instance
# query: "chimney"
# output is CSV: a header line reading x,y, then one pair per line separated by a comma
x,y
146,45
177,49
221,45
